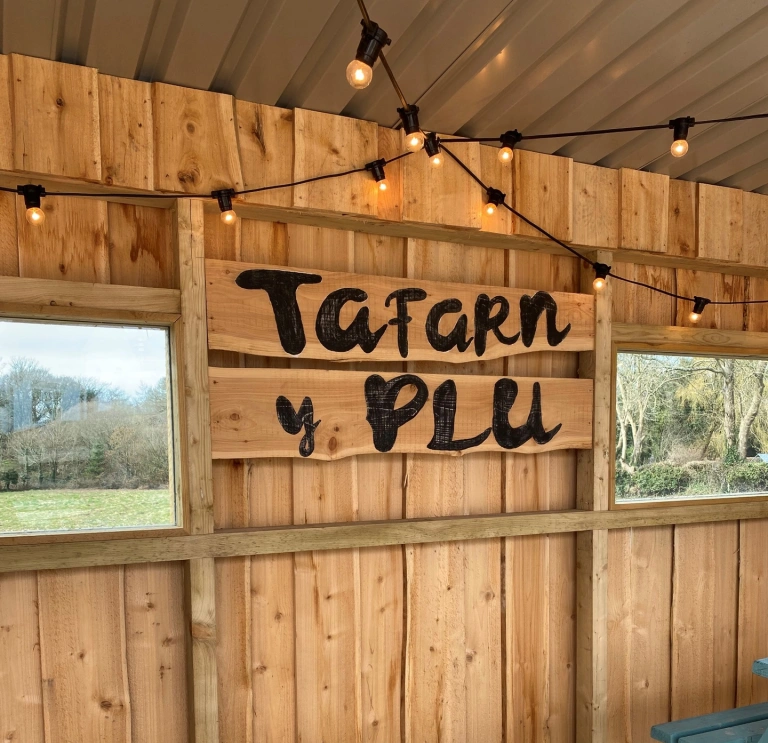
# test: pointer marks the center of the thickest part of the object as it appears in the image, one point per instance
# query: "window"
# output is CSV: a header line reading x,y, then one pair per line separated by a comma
x,y
85,428
689,427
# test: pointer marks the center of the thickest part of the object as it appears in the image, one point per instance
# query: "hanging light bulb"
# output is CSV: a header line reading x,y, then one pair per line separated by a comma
x,y
432,148
493,199
414,137
508,141
224,197
360,69
376,169
601,276
32,199
699,303
680,128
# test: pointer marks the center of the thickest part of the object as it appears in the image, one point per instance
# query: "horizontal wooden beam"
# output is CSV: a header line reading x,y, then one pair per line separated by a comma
x,y
274,540
55,295
690,339
375,226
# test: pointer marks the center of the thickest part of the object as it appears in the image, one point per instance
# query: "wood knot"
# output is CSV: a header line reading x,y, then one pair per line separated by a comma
x,y
278,616
60,102
332,443
105,704
190,127
234,417
189,176
261,668
109,180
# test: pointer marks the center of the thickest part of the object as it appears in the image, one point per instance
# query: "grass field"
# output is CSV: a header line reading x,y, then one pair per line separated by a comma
x,y
68,510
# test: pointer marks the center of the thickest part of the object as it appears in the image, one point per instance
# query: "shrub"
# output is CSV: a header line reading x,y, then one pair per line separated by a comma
x,y
747,477
661,479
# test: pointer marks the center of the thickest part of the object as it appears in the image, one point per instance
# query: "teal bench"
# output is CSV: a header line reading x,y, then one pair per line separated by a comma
x,y
742,725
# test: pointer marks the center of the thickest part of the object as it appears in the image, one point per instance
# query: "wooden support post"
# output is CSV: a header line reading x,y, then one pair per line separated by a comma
x,y
592,546
201,574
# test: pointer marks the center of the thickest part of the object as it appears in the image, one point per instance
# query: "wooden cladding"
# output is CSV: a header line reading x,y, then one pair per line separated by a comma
x,y
280,311
336,414
69,122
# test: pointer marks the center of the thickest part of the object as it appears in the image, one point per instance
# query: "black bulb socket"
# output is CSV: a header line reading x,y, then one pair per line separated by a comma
x,y
376,169
224,197
372,40
681,125
699,303
432,144
510,138
601,270
410,118
32,195
494,196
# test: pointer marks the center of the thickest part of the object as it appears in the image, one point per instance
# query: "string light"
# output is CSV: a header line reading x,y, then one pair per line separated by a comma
x,y
414,137
372,39
432,148
493,199
224,197
32,199
680,128
376,169
508,141
601,275
699,303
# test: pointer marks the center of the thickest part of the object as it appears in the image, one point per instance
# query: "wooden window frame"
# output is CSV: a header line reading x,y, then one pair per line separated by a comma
x,y
684,341
111,304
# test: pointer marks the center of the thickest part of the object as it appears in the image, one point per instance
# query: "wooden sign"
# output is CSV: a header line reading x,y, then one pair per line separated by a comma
x,y
335,414
280,311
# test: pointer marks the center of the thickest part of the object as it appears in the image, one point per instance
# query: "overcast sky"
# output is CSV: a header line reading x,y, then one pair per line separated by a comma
x,y
121,357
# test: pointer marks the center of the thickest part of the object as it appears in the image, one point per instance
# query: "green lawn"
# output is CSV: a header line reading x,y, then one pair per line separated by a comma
x,y
67,510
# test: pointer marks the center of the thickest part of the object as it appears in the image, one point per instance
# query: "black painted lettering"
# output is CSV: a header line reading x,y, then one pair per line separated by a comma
x,y
338,339
457,337
484,321
402,297
444,410
512,437
292,422
383,417
530,312
281,288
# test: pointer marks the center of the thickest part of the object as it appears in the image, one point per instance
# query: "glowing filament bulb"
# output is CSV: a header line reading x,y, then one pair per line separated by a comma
x,y
694,316
228,216
598,284
679,147
414,141
506,154
35,215
383,185
359,74
490,209
436,160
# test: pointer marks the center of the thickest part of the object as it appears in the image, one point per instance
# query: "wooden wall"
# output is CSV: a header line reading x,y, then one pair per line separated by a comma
x,y
452,641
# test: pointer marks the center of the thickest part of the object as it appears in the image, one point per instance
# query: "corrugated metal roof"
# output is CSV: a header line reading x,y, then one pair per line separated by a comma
x,y
475,67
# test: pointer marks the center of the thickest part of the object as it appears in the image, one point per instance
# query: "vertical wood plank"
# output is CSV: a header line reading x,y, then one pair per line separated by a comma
x,y
327,584
141,246
6,116
9,246
501,176
595,206
593,484
55,118
714,286
444,195
127,147
636,304
325,144
683,206
70,245
265,136
83,651
389,203
753,621
544,193
201,573
156,652
453,654
720,223
643,210
704,609
755,247
540,571
195,140
21,706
